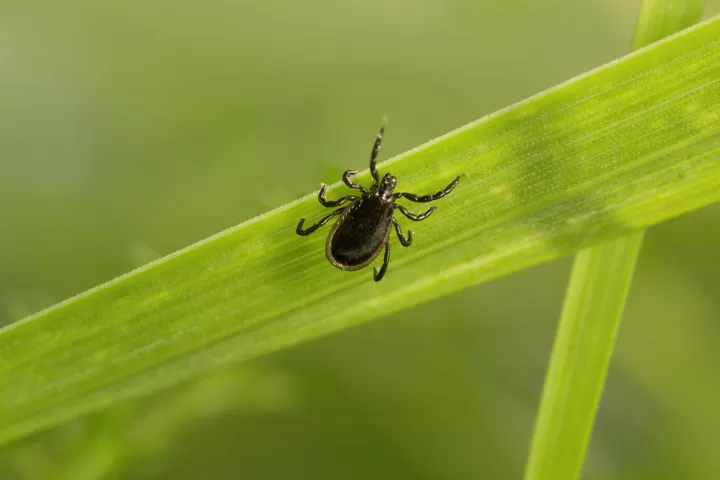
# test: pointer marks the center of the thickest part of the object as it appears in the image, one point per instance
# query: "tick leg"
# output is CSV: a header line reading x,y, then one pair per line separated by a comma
x,y
413,216
299,230
349,183
379,275
333,203
429,198
375,151
406,242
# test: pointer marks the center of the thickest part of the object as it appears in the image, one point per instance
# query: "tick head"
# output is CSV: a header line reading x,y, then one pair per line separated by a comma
x,y
387,185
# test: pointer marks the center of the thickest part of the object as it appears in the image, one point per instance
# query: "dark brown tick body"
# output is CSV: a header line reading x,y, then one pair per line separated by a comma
x,y
363,228
360,233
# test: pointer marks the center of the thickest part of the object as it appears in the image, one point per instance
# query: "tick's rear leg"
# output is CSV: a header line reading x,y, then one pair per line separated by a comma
x,y
406,242
349,183
299,230
379,275
429,198
413,216
333,203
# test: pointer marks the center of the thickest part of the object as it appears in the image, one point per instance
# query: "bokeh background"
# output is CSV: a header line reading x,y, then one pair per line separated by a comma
x,y
131,129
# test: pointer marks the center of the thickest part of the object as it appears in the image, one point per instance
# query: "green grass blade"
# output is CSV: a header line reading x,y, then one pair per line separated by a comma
x,y
626,146
591,315
599,285
661,18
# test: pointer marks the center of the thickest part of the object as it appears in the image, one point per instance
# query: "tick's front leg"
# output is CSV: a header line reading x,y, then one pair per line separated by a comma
x,y
333,203
374,154
350,184
429,198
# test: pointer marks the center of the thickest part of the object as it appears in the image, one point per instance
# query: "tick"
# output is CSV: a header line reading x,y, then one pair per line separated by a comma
x,y
363,228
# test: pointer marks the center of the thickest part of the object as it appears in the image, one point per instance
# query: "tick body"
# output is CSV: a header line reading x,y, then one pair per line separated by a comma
x,y
365,222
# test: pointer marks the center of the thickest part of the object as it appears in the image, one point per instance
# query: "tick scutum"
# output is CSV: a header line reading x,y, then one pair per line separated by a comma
x,y
360,234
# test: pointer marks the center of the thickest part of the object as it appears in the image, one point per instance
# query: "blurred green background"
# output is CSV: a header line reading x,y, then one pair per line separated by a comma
x,y
131,129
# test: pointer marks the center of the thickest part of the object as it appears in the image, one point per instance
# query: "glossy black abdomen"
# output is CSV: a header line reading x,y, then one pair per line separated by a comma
x,y
360,233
